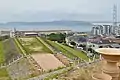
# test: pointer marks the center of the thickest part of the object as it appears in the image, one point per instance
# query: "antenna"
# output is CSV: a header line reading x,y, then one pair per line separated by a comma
x,y
115,15
115,28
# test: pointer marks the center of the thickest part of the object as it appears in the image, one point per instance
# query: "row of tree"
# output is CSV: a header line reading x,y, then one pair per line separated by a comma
x,y
4,37
59,37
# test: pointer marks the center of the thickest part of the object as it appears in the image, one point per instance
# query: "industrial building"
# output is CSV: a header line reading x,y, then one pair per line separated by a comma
x,y
38,33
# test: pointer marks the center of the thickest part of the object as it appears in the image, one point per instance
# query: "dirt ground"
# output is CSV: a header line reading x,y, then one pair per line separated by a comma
x,y
27,39
47,61
36,48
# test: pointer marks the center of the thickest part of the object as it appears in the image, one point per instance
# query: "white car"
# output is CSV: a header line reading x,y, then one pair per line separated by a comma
x,y
79,47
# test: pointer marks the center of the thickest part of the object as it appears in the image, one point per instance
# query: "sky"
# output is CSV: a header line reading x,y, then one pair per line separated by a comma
x,y
51,10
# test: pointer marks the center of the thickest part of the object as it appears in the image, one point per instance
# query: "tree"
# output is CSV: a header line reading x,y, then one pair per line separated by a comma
x,y
90,49
73,43
100,46
57,37
4,37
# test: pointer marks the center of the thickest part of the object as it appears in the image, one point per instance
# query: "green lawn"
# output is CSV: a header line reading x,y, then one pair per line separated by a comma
x,y
69,52
10,50
65,52
3,73
1,53
33,45
78,53
19,46
49,49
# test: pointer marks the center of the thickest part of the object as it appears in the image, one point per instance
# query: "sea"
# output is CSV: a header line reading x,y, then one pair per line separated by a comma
x,y
48,26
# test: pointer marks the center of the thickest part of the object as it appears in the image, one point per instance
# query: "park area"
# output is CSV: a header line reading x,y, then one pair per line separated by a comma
x,y
40,52
8,52
75,52
47,61
4,74
83,73
68,51
1,53
31,45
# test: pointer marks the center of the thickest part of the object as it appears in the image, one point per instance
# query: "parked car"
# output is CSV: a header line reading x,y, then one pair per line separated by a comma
x,y
80,48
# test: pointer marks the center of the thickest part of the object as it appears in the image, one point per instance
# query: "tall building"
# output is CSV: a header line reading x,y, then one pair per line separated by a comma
x,y
93,30
107,29
102,30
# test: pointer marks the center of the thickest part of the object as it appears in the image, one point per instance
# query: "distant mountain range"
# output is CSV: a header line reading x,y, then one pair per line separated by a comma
x,y
61,23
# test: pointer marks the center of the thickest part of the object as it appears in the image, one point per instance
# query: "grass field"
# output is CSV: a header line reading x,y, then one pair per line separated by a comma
x,y
65,52
78,53
69,52
45,44
1,53
10,50
3,74
32,45
23,69
20,47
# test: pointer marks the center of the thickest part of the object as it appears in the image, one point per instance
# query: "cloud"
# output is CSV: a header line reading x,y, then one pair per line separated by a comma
x,y
43,10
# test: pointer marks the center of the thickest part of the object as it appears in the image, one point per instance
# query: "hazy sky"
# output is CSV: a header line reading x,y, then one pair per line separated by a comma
x,y
49,10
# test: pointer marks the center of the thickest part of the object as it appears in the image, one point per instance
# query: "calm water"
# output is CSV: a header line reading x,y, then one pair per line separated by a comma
x,y
43,27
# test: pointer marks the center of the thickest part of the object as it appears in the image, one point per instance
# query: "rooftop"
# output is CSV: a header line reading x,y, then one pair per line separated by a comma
x,y
102,41
42,31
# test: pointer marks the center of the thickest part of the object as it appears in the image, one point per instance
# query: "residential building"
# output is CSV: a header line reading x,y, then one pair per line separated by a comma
x,y
102,30
5,32
103,43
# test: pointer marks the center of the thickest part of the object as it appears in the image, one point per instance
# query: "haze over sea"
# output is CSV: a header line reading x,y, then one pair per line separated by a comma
x,y
55,25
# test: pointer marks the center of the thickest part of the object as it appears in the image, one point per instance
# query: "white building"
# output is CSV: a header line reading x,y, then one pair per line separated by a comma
x,y
102,30
5,32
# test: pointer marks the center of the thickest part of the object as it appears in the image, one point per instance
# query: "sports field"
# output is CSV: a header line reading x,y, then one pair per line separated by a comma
x,y
47,61
32,45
